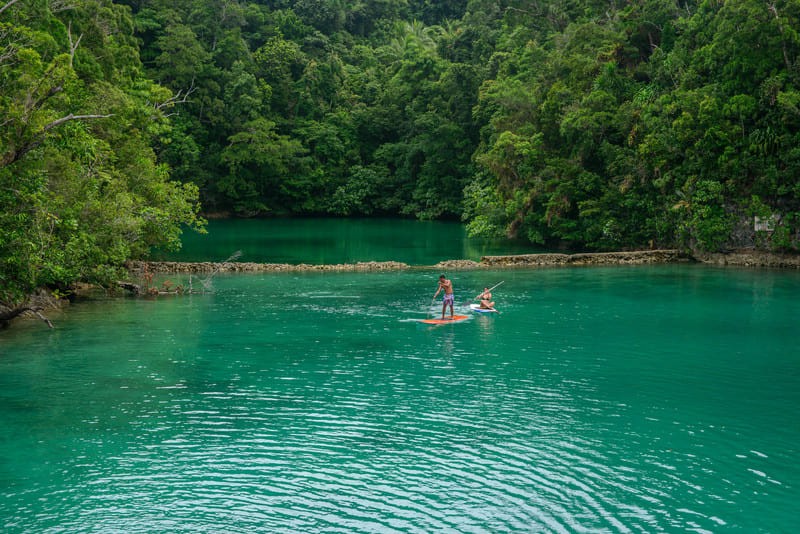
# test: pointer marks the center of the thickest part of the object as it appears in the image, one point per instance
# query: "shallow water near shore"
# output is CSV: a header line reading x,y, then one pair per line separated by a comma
x,y
619,399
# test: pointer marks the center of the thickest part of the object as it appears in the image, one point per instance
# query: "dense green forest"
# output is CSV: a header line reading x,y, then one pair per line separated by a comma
x,y
584,123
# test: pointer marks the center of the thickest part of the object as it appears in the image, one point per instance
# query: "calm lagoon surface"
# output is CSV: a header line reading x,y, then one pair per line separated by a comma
x,y
624,399
328,240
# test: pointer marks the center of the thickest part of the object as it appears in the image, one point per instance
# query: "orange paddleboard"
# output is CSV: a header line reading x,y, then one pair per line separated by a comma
x,y
446,320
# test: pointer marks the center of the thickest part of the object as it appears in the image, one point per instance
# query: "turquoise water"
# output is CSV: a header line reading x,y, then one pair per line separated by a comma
x,y
332,241
626,399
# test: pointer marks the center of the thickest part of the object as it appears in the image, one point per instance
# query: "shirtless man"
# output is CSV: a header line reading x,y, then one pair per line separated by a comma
x,y
486,299
447,285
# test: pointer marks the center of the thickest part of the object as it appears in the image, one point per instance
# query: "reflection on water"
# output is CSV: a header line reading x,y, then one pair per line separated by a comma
x,y
651,399
486,325
332,241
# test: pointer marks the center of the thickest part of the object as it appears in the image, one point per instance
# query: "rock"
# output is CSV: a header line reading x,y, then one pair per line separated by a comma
x,y
593,258
163,267
637,257
751,258
457,265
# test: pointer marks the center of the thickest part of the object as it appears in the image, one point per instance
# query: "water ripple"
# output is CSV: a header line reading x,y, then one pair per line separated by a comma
x,y
567,413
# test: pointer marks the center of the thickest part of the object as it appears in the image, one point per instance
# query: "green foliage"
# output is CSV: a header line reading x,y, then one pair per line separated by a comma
x,y
259,160
703,222
361,192
593,124
81,190
657,124
484,209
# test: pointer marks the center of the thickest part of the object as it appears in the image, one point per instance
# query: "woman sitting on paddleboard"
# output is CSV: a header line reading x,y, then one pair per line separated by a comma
x,y
449,298
486,299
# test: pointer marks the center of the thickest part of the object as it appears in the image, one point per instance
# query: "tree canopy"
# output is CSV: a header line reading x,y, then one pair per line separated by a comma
x,y
596,125
81,187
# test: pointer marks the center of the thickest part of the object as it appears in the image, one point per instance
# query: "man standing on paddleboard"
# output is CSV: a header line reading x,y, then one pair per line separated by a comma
x,y
447,285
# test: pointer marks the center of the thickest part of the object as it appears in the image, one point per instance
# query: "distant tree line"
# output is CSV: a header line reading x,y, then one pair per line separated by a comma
x,y
592,124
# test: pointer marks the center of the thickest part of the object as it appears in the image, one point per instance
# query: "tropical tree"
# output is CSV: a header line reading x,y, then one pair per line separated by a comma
x,y
80,188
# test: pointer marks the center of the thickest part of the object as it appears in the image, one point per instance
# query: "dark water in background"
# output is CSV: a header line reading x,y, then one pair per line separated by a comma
x,y
333,241
627,399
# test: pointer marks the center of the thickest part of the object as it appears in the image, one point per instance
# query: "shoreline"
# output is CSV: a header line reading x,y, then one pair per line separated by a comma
x,y
752,259
141,269
490,262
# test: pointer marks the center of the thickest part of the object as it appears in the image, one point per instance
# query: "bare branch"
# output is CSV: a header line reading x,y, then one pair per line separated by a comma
x,y
8,315
43,318
774,10
73,46
180,97
16,155
72,117
8,4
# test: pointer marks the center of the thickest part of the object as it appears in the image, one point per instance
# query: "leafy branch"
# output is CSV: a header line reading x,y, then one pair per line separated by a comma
x,y
15,155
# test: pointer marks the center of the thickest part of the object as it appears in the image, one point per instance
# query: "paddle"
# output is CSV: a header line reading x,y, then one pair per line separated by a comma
x,y
490,290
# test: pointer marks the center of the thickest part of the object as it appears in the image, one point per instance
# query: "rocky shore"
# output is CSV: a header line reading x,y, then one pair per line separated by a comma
x,y
493,262
593,258
143,272
747,258
167,267
750,258
144,269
